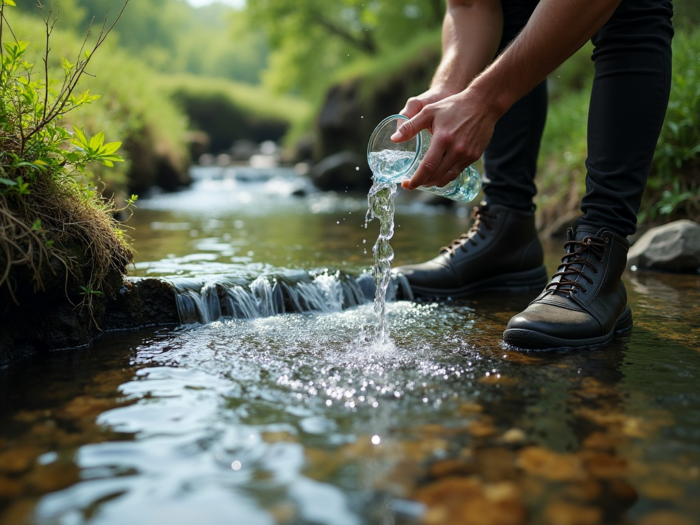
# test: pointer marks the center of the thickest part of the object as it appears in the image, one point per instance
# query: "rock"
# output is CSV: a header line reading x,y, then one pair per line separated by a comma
x,y
138,303
198,143
550,465
342,171
674,247
243,149
564,513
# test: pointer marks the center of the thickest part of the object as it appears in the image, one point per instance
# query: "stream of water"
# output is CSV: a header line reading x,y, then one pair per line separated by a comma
x,y
381,206
278,413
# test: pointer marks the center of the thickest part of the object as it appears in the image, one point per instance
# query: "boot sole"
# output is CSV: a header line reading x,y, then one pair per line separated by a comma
x,y
520,338
510,282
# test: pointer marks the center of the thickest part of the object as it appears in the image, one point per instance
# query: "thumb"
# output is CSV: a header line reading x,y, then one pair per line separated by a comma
x,y
411,128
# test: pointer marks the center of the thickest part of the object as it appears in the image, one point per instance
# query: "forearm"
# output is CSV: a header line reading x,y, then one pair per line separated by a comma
x,y
471,34
555,31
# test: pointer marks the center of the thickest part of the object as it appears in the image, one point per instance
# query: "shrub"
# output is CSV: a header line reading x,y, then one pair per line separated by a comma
x,y
672,191
154,130
51,216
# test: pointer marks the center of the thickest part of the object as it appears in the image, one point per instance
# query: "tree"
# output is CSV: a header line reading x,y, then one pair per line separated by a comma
x,y
312,38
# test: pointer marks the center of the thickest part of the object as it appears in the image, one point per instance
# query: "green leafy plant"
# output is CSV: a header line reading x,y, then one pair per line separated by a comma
x,y
672,190
50,208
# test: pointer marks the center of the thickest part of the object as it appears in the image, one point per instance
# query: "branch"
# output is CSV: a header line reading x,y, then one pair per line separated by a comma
x,y
366,44
73,80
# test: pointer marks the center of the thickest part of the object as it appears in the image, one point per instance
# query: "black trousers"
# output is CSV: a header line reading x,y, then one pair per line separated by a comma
x,y
632,58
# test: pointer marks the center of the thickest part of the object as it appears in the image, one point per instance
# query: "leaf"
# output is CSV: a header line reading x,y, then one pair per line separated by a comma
x,y
110,148
37,225
97,141
67,66
9,2
81,140
7,182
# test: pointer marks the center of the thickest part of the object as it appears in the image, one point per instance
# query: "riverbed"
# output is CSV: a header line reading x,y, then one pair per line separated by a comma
x,y
300,418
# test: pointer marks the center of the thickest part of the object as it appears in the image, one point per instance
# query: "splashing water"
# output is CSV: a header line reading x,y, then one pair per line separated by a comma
x,y
391,166
380,201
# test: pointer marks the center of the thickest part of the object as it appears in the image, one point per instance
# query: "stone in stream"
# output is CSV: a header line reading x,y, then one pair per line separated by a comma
x,y
673,247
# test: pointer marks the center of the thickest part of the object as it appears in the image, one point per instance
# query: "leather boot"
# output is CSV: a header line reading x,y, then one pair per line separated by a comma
x,y
501,252
585,303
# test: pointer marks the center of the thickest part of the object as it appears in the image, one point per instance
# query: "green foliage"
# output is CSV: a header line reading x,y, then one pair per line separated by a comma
x,y
170,35
311,39
672,189
229,111
46,184
152,127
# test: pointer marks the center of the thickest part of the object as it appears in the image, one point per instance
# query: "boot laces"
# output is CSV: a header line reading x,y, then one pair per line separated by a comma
x,y
482,217
575,263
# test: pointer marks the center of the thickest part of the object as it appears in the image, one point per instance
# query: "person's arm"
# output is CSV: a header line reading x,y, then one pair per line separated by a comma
x,y
462,125
471,33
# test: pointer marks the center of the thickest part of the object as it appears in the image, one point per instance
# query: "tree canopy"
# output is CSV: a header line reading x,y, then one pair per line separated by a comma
x,y
172,36
310,39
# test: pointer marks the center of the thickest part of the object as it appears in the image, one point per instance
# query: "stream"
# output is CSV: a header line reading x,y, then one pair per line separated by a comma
x,y
301,418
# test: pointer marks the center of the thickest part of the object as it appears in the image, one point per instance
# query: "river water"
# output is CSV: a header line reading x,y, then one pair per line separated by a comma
x,y
299,418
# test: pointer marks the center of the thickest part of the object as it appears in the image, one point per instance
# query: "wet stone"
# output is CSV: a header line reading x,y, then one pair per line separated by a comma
x,y
601,465
17,460
564,513
586,491
52,477
550,465
450,467
464,501
10,488
665,517
19,512
514,436
661,490
496,464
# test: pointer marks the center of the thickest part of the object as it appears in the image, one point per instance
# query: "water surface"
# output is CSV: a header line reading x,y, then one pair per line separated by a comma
x,y
300,419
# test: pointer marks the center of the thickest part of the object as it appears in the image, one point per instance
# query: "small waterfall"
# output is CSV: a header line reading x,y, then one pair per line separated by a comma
x,y
196,302
207,300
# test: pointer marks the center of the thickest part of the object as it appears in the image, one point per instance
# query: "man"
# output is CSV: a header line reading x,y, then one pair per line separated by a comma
x,y
497,107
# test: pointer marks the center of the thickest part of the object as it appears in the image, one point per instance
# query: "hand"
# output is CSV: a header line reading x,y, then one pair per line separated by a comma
x,y
414,105
461,125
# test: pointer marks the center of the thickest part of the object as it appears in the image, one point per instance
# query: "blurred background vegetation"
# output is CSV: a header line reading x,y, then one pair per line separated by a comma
x,y
178,80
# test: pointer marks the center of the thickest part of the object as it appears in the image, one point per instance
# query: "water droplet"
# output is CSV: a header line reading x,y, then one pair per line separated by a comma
x,y
236,465
357,168
364,241
337,222
376,440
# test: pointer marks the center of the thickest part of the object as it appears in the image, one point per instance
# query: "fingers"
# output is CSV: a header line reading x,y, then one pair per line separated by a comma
x,y
450,175
412,127
443,162
435,163
413,106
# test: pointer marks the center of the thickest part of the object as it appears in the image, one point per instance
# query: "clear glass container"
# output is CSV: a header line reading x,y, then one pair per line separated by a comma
x,y
393,162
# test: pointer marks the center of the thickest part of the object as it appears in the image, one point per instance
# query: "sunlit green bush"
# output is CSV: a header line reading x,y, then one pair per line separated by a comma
x,y
153,129
56,231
